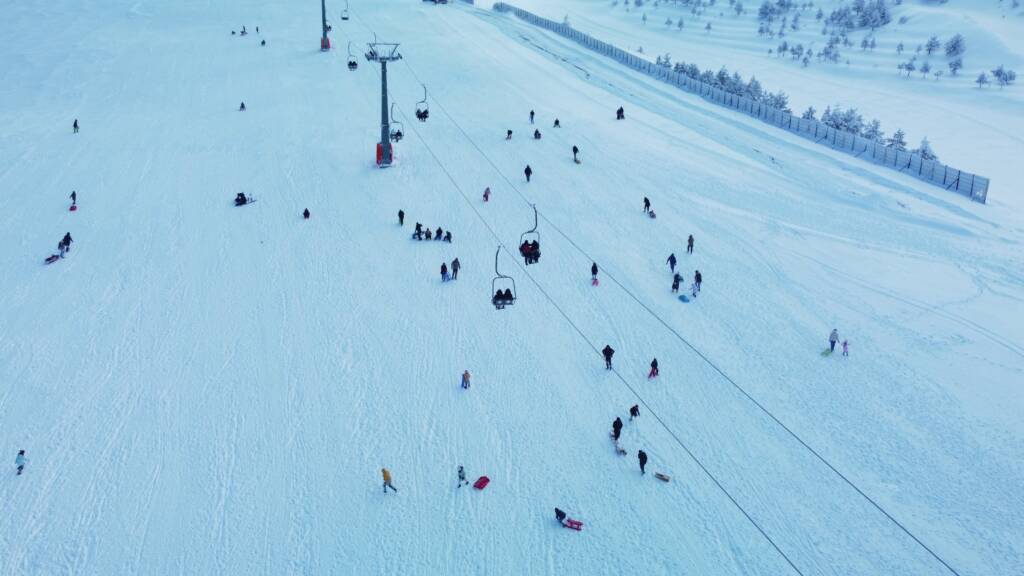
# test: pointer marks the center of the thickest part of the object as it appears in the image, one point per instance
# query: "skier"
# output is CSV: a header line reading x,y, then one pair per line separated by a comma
x,y
444,272
689,244
401,218
832,339
241,107
305,214
575,154
536,134
654,369
696,279
675,283
593,273
528,172
448,236
75,126
557,124
617,428
643,460
74,198
465,380
647,204
672,261
456,265
531,116
608,353
487,194
846,348
20,461
387,480
620,114
634,412
508,135
462,478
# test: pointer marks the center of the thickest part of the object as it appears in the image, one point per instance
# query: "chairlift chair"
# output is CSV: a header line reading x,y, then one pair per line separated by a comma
x,y
531,235
500,285
422,109
352,64
396,132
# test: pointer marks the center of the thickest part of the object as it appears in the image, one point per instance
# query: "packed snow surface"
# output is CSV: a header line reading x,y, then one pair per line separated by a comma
x,y
205,389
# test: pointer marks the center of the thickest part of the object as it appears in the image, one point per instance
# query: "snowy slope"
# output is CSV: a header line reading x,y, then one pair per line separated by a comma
x,y
209,389
970,128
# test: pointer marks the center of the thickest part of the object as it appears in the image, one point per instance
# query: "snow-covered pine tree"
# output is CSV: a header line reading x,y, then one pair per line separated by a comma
x,y
873,131
898,141
956,46
981,80
932,45
955,65
925,150
809,113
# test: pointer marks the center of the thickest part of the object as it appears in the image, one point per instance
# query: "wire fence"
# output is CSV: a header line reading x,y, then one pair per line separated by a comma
x,y
973,186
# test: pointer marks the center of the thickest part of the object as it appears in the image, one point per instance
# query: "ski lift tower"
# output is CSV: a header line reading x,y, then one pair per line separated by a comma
x,y
325,42
384,52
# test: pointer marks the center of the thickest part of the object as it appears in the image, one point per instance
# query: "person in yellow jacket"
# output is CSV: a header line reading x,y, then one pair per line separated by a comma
x,y
387,480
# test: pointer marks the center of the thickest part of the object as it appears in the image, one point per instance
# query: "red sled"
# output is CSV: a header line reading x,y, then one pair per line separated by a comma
x,y
594,282
481,482
573,524
73,208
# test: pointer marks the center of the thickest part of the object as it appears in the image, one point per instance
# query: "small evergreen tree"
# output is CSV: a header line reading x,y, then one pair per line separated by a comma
x,y
932,45
899,48
925,151
873,131
925,69
898,141
809,113
956,46
955,65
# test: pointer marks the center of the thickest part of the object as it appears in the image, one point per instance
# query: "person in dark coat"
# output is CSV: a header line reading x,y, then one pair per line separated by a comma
x,y
444,272
418,232
593,271
528,172
439,234
643,461
557,124
429,234
560,516
575,154
305,214
697,279
608,353
401,217
675,284
75,126
535,251
647,204
672,261
74,198
620,114
448,236
241,107
462,478
634,412
67,241
617,428
20,461
536,134
531,116
689,244
456,265
654,369
508,135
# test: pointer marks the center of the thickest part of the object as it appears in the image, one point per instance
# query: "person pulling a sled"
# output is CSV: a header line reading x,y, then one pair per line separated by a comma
x,y
654,369
462,478
536,134
240,199
620,114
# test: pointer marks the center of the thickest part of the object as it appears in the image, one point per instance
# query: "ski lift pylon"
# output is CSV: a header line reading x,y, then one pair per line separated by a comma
x,y
503,288
422,109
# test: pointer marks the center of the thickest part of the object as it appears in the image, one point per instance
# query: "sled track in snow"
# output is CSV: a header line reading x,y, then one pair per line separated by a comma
x,y
761,407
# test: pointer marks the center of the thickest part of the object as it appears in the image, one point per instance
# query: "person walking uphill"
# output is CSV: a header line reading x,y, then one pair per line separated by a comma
x,y
531,116
444,272
575,154
697,278
74,198
608,353
643,461
634,412
689,244
654,369
617,428
75,126
387,480
401,217
20,461
833,338
672,261
462,478
465,381
647,204
528,172
593,273
456,265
